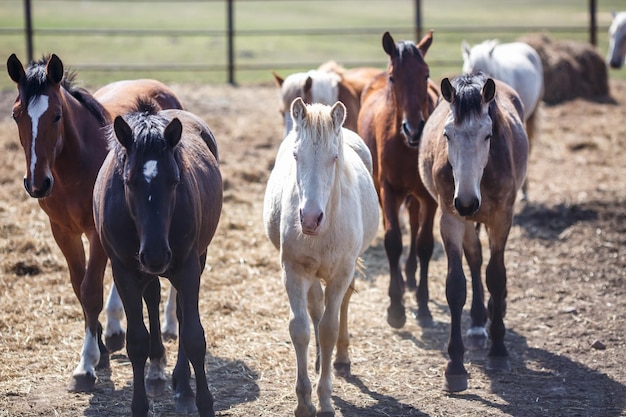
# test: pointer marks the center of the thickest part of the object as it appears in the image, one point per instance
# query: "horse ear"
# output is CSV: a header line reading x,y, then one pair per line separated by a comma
x,y
447,91
389,45
298,110
425,43
173,132
338,113
492,46
278,79
123,132
489,90
54,69
15,68
466,50
308,84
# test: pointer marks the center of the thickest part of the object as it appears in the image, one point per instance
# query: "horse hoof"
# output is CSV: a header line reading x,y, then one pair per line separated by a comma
x,y
475,342
424,318
455,383
185,404
342,369
326,414
167,336
82,383
305,411
498,363
396,317
155,387
115,341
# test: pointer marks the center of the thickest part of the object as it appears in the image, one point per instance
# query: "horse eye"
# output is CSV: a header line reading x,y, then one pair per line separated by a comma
x,y
391,80
488,137
57,118
295,156
445,135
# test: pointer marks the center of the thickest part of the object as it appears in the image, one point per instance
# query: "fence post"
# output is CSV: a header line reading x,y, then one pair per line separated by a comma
x,y
29,30
418,20
230,35
593,24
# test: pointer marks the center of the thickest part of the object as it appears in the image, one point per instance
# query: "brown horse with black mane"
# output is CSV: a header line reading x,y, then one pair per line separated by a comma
x,y
62,129
473,158
394,108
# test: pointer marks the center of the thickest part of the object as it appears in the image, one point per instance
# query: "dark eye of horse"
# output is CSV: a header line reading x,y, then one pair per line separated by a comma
x,y
295,156
391,80
445,135
57,118
488,137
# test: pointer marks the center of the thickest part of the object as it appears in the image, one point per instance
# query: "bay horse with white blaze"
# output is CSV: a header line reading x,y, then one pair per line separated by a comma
x,y
473,158
157,203
394,107
62,130
320,211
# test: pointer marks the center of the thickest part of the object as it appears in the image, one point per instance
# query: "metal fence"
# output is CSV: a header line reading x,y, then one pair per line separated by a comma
x,y
231,67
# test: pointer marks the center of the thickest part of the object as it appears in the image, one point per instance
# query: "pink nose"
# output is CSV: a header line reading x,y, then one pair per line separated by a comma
x,y
310,221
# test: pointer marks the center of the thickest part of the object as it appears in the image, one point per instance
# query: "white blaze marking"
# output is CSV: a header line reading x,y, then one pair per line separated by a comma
x,y
36,108
150,170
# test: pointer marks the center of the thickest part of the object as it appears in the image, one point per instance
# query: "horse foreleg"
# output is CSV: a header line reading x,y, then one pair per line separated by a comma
x,y
477,333
192,337
114,334
169,330
425,244
342,358
297,289
329,329
155,379
496,284
71,245
315,304
410,265
452,230
396,316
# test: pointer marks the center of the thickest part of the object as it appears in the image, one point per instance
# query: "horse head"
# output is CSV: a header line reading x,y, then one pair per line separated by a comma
x,y
617,41
408,76
318,154
38,112
468,130
151,174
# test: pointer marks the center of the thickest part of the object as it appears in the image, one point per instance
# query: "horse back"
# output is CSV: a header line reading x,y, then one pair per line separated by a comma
x,y
120,97
194,125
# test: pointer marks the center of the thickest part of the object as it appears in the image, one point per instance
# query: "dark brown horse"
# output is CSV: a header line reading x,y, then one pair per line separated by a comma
x,y
473,158
157,203
61,128
394,108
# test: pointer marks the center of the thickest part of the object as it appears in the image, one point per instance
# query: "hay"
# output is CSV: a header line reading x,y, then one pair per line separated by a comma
x,y
570,69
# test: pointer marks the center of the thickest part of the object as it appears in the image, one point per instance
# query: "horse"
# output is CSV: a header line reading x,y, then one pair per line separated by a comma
x,y
473,158
517,64
394,108
119,98
320,211
62,130
157,203
617,42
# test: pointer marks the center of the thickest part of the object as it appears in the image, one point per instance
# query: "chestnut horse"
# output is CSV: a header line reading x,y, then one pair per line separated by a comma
x,y
62,130
157,202
394,108
326,85
473,159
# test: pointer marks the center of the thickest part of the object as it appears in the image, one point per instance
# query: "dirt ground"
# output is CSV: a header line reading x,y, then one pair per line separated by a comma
x,y
566,261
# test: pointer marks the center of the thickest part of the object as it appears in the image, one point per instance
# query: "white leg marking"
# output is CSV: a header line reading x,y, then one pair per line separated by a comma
x,y
89,357
170,324
114,313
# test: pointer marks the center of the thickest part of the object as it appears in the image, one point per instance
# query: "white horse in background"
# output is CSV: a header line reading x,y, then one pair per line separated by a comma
x,y
321,212
617,41
517,64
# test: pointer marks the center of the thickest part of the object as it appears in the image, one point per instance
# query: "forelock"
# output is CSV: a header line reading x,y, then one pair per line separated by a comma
x,y
468,98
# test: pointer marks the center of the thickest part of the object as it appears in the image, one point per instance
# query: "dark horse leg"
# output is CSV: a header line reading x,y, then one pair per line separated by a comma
x,y
396,316
496,283
155,379
87,284
476,335
452,231
191,345
422,216
137,336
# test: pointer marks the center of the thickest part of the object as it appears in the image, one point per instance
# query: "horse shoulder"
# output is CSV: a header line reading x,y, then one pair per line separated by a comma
x,y
433,155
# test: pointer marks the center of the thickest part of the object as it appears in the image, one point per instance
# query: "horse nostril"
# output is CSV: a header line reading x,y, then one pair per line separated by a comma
x,y
319,218
467,208
47,185
27,185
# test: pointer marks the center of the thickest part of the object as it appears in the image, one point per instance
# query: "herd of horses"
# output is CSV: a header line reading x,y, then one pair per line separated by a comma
x,y
138,175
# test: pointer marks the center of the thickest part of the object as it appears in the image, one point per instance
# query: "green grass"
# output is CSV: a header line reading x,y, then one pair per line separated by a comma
x,y
205,56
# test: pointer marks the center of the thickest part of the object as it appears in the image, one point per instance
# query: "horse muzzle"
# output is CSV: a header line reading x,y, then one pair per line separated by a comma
x,y
310,222
44,190
412,134
466,207
155,263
